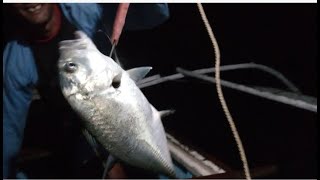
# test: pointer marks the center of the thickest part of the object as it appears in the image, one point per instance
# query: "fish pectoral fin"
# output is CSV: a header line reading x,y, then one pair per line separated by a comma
x,y
165,113
136,74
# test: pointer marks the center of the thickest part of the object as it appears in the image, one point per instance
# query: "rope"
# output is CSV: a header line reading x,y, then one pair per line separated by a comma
x,y
220,93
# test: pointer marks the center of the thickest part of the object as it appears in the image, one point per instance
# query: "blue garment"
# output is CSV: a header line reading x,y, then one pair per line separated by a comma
x,y
20,72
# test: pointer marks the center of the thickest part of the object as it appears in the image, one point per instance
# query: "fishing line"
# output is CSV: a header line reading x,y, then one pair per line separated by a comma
x,y
112,45
113,49
220,93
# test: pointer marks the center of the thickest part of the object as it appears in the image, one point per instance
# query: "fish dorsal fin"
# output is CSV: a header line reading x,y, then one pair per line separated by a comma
x,y
136,74
165,113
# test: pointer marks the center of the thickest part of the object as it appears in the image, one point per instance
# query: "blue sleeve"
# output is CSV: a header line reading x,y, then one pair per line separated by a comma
x,y
89,17
19,74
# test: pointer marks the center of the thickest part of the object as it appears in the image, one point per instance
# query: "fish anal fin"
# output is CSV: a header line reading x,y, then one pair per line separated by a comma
x,y
111,161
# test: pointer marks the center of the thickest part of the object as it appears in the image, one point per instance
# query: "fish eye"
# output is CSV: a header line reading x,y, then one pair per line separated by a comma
x,y
70,67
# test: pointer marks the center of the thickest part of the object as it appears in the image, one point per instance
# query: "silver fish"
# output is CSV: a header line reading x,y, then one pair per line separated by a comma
x,y
112,107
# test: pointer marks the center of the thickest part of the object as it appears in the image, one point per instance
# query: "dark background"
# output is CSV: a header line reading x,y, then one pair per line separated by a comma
x,y
281,36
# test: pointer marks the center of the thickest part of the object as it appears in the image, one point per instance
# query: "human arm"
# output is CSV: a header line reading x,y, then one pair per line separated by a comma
x,y
91,17
18,73
159,13
119,22
140,15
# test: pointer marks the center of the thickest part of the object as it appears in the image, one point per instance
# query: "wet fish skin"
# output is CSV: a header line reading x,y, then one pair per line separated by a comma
x,y
112,107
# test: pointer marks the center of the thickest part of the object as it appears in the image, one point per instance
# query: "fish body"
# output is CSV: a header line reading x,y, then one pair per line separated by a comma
x,y
112,107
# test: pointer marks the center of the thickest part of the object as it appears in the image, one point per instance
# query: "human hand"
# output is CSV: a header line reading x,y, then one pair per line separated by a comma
x,y
117,172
